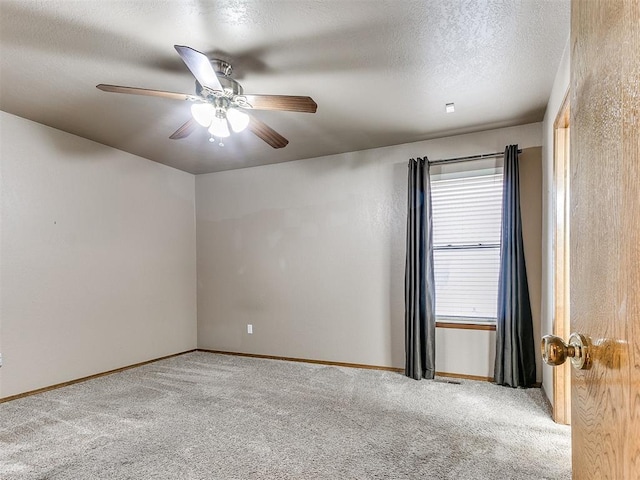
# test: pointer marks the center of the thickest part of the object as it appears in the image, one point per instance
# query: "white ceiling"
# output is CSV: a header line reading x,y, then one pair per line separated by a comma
x,y
380,71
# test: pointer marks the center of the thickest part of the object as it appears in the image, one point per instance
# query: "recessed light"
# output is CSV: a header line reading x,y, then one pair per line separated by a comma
x,y
450,108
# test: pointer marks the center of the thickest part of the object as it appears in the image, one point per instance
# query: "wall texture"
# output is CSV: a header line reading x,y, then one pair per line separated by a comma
x,y
97,258
558,93
311,253
531,208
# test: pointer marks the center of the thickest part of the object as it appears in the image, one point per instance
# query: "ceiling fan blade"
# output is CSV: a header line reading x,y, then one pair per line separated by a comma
x,y
146,91
266,133
289,103
185,130
200,66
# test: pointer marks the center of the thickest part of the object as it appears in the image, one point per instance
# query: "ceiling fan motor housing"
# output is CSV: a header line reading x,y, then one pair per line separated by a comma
x,y
221,67
223,71
230,86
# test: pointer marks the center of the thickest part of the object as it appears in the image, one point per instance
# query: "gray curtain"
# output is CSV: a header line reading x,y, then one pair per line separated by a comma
x,y
420,315
515,361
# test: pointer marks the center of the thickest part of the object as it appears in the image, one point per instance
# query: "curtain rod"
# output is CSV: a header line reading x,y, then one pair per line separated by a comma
x,y
471,157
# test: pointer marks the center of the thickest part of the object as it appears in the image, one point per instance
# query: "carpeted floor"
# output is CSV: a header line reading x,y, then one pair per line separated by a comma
x,y
207,416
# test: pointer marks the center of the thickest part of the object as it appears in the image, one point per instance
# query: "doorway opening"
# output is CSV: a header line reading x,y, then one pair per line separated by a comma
x,y
561,318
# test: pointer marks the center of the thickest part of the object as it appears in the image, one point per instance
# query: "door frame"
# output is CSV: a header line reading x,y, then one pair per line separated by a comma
x,y
561,231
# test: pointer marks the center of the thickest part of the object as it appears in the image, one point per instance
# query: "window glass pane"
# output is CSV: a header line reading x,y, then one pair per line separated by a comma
x,y
467,210
467,282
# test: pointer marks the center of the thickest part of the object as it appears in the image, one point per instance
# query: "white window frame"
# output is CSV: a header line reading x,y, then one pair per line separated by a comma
x,y
461,170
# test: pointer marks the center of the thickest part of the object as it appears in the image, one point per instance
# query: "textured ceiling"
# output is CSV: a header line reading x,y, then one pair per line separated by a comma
x,y
380,71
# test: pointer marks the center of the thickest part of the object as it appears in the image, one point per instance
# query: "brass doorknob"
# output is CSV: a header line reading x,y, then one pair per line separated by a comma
x,y
555,352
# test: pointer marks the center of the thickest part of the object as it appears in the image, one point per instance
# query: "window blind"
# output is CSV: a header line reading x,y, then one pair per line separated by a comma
x,y
467,214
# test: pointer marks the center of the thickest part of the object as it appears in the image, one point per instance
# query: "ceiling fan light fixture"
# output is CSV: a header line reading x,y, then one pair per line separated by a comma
x,y
203,113
238,120
219,127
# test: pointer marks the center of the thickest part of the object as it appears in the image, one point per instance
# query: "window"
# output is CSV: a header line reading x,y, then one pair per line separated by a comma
x,y
467,215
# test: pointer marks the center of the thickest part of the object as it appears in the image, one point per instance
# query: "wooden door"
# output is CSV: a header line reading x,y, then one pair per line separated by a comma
x,y
605,236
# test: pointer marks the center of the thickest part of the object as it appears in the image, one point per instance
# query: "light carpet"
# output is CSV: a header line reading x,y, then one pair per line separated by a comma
x,y
208,416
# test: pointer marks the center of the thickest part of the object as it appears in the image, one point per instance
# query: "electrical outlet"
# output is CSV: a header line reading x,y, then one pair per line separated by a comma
x,y
249,328
0,359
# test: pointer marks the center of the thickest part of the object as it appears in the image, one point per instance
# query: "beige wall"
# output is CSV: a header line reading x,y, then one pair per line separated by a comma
x,y
311,253
531,209
558,93
97,258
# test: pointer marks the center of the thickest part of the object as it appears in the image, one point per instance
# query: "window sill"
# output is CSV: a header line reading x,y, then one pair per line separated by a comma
x,y
466,325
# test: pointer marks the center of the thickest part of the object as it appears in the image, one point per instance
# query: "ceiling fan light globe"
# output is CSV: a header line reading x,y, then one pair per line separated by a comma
x,y
219,128
203,113
238,120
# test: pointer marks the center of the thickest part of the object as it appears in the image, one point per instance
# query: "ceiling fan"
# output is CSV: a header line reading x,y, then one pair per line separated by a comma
x,y
220,102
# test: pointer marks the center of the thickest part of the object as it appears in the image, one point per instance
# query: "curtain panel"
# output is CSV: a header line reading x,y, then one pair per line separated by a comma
x,y
420,315
515,364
